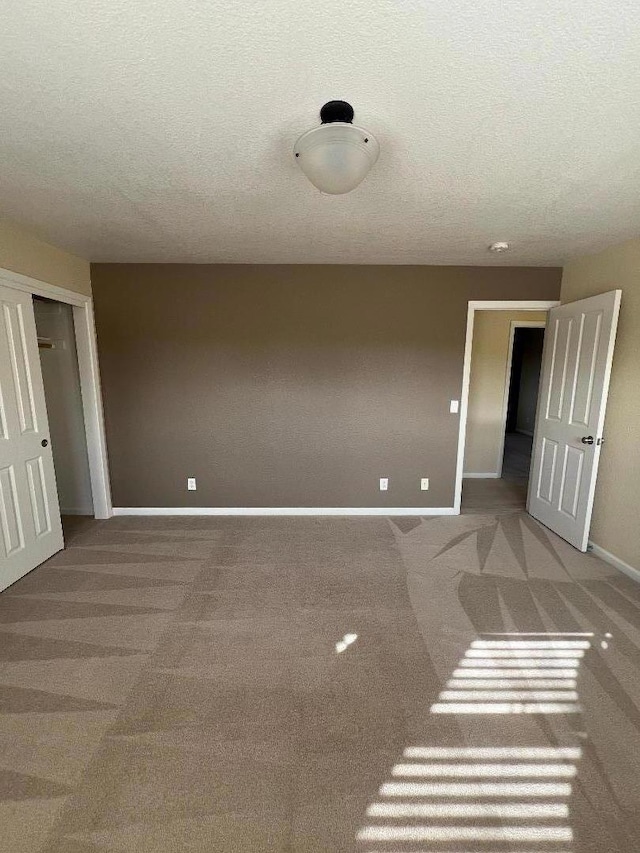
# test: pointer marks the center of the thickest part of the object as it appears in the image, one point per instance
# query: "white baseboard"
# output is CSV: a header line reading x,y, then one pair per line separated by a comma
x,y
619,564
283,510
489,476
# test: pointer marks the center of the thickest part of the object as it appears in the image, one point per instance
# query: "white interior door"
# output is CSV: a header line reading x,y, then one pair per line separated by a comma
x,y
574,383
29,511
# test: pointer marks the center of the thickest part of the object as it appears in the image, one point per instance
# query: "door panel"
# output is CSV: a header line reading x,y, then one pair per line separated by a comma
x,y
29,514
16,340
10,512
574,383
547,470
559,357
571,481
39,496
588,348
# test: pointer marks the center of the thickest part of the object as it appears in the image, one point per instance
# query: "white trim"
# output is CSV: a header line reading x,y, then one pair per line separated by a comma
x,y
464,406
482,305
89,379
515,324
282,510
619,564
87,348
493,475
513,305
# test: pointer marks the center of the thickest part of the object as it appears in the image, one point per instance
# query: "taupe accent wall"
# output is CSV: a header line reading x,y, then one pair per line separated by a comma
x,y
290,386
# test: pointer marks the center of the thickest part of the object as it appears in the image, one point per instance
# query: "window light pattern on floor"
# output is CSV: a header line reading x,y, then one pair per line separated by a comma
x,y
507,797
530,675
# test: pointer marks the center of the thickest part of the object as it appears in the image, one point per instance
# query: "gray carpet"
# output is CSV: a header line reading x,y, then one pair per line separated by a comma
x,y
320,685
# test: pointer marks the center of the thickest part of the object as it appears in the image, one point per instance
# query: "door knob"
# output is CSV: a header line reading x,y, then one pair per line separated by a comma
x,y
44,442
587,439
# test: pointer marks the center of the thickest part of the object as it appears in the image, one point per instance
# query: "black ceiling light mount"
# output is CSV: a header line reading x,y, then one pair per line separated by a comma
x,y
336,111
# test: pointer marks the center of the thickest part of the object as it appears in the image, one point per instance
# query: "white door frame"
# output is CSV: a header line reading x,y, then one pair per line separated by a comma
x,y
86,345
515,324
482,305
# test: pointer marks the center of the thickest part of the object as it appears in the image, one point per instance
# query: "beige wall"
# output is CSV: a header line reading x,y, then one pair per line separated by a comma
x,y
288,385
489,357
23,252
615,521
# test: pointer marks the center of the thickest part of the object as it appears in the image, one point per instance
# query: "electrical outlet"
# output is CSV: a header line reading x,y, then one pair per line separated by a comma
x,y
454,407
424,484
191,484
384,484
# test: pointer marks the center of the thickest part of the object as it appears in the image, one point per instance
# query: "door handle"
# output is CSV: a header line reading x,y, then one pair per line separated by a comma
x,y
587,439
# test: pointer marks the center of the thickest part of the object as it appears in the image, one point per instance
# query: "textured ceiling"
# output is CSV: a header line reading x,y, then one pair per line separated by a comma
x,y
161,130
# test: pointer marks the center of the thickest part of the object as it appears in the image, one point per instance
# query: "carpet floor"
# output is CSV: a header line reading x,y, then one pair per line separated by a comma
x,y
437,685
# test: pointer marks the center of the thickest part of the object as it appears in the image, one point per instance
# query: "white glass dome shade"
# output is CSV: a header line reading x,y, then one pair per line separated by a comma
x,y
337,156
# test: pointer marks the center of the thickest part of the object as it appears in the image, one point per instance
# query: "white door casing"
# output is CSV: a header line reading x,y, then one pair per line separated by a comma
x,y
30,527
574,384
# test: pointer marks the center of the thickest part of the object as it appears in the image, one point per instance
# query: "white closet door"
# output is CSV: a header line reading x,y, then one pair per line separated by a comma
x,y
30,528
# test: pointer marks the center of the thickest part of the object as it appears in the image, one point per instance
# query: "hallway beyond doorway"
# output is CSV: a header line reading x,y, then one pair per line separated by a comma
x,y
509,492
517,457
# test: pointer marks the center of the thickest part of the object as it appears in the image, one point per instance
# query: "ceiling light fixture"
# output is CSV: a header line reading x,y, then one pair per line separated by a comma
x,y
499,247
336,156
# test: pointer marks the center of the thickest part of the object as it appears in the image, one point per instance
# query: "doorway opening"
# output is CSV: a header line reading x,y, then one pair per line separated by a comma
x,y
522,399
504,353
63,395
574,385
